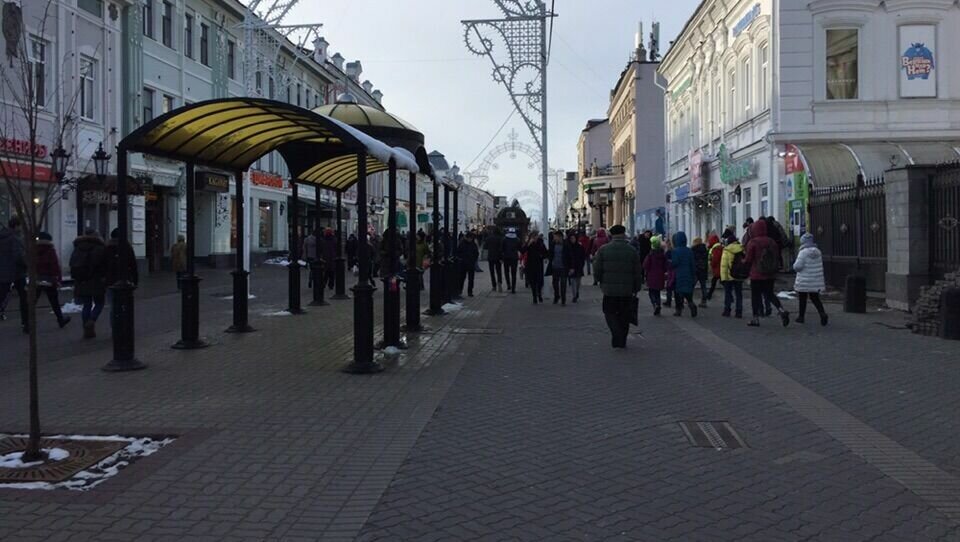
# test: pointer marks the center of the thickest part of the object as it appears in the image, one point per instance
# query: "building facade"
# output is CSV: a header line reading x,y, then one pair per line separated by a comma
x,y
769,99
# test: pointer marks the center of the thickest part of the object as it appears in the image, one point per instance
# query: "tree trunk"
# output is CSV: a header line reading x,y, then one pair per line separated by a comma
x,y
33,451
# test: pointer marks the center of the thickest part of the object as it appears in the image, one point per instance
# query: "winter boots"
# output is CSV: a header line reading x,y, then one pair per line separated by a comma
x,y
90,329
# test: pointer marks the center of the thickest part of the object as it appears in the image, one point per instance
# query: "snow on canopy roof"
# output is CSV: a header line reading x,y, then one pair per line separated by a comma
x,y
380,150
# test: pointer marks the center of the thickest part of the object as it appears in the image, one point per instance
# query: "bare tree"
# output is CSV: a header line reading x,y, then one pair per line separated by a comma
x,y
28,100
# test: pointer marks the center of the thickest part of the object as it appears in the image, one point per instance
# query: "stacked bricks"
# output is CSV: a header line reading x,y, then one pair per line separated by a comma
x,y
925,319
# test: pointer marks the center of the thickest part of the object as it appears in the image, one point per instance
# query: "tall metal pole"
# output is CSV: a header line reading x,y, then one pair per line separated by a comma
x,y
190,284
363,362
340,267
545,219
391,291
293,288
318,266
413,266
122,310
241,286
436,267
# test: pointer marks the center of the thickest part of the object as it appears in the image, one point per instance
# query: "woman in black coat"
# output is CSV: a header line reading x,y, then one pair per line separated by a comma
x,y
536,253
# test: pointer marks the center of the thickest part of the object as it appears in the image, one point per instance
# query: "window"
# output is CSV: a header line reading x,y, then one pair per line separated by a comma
x,y
93,7
266,224
298,93
746,87
147,105
271,88
166,25
204,44
166,105
748,203
231,59
148,18
764,77
733,211
258,82
188,35
87,88
764,200
842,64
38,71
717,107
732,99
288,94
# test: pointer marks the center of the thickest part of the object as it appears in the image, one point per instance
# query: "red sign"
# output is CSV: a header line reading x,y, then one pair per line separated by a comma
x,y
792,161
19,170
23,148
266,179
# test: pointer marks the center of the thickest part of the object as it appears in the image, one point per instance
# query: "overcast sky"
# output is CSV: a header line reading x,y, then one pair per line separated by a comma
x,y
413,51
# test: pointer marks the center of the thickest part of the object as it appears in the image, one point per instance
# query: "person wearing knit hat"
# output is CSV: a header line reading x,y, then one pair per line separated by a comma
x,y
810,281
617,266
655,269
732,283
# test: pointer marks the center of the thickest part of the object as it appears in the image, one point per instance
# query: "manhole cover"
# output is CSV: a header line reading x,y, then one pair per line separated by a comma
x,y
83,454
477,330
719,435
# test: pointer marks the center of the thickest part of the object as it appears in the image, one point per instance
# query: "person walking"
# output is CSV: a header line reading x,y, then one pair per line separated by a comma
x,y
684,268
535,253
494,247
810,280
671,281
178,258
578,258
308,251
643,245
558,267
120,262
618,268
511,256
587,244
49,276
655,273
327,251
13,267
715,248
731,278
761,256
351,251
701,264
598,241
468,254
88,267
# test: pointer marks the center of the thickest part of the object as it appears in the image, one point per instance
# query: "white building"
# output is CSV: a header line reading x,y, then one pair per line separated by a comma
x,y
773,96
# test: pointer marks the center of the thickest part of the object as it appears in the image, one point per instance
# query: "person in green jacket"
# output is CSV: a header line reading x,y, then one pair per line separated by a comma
x,y
618,269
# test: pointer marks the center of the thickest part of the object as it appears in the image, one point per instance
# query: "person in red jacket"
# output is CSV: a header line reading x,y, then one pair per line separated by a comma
x,y
716,254
762,257
587,245
49,275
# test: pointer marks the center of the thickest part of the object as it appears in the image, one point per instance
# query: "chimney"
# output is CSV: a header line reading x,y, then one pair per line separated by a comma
x,y
367,86
337,60
354,69
378,96
320,49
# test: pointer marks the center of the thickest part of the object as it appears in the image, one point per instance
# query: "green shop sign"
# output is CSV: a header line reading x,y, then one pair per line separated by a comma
x,y
682,88
736,171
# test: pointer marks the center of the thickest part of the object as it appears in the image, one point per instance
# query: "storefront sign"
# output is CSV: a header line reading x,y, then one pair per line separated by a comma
x,y
423,217
213,182
682,88
263,178
918,68
401,219
681,192
791,160
696,172
736,171
19,170
350,195
746,20
796,185
23,148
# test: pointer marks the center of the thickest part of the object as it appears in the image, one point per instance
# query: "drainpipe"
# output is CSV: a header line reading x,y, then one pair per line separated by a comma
x,y
666,143
775,192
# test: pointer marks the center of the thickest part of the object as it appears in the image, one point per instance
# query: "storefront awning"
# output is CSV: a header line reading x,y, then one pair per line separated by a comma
x,y
836,164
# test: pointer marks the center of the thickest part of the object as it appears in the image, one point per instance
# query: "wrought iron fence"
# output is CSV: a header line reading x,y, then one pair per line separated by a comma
x,y
944,215
850,226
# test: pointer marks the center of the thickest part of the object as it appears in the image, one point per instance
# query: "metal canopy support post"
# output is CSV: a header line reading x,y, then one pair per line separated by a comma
x,y
340,266
363,362
293,267
318,266
456,291
449,266
436,265
413,266
240,283
121,310
391,289
190,282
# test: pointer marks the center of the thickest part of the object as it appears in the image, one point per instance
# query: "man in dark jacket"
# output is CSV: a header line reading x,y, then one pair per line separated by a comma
x,y
761,255
617,267
13,267
88,267
468,254
511,255
559,264
494,247
49,276
328,252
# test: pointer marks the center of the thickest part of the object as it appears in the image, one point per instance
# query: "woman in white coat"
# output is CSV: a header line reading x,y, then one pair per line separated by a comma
x,y
809,282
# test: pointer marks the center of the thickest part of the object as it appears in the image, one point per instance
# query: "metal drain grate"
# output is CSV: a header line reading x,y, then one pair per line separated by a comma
x,y
477,330
718,435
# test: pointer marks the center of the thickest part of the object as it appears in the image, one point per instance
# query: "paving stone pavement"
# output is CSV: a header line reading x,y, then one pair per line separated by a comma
x,y
548,434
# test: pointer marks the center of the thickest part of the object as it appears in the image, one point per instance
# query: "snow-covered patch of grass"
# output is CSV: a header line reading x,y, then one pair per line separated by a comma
x,y
87,479
71,308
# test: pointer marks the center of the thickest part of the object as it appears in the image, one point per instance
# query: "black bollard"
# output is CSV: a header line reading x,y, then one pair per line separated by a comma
x,y
950,314
318,269
190,321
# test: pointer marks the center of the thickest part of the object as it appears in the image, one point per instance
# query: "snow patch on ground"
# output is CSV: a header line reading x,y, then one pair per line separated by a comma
x,y
786,295
391,351
14,460
230,297
283,262
278,313
85,480
71,308
452,307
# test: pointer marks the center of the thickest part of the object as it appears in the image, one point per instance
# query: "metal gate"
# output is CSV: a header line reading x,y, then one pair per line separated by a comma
x,y
944,198
849,223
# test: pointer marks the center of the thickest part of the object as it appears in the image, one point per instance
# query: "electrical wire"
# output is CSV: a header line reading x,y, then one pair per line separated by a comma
x,y
487,146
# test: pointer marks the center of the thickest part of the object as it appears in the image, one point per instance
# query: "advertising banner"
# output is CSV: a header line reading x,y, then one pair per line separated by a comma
x,y
918,63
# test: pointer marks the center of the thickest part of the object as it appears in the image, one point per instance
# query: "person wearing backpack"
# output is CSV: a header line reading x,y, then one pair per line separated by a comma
x,y
49,276
88,267
764,264
810,281
732,273
655,271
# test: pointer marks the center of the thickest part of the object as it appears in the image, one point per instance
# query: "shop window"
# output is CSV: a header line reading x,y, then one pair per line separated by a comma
x,y
764,199
267,209
748,203
842,63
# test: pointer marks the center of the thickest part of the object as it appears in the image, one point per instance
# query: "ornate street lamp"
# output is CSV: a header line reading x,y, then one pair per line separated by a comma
x,y
100,161
60,159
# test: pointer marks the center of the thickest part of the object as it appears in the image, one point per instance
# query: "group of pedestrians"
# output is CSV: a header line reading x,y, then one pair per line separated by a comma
x,y
94,265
